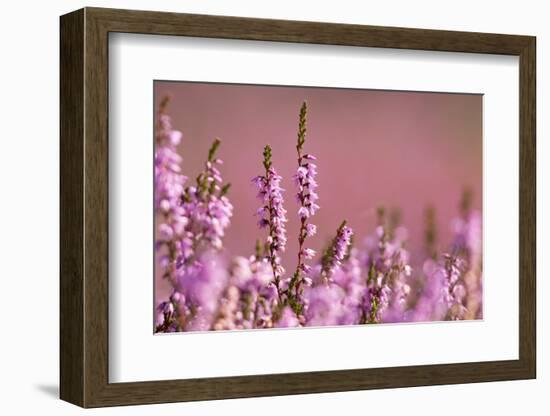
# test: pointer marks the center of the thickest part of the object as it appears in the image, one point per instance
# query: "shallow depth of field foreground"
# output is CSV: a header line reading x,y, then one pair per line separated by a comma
x,y
368,212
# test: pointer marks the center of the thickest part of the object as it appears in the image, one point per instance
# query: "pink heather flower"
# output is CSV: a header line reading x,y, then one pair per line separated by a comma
x,y
301,174
303,212
164,206
175,137
308,253
306,268
171,314
166,232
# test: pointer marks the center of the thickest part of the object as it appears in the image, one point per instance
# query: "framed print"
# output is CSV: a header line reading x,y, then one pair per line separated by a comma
x,y
294,207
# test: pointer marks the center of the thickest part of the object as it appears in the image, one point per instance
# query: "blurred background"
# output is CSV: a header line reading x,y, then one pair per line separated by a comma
x,y
401,150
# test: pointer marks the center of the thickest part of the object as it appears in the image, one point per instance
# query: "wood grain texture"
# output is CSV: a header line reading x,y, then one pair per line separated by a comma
x,y
71,208
527,209
84,207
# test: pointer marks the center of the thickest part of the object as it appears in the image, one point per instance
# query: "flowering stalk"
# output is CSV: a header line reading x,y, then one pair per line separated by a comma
x,y
169,183
272,215
208,209
307,198
377,297
336,253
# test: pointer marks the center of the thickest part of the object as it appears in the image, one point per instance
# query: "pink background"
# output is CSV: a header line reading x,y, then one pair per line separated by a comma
x,y
398,149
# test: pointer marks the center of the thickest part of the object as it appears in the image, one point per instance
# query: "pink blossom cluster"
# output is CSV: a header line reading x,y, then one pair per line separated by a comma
x,y
351,282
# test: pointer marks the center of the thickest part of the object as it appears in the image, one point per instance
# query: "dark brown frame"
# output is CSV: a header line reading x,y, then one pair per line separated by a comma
x,y
84,210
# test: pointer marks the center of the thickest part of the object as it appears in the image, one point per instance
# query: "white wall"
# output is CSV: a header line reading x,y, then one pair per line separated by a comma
x,y
29,84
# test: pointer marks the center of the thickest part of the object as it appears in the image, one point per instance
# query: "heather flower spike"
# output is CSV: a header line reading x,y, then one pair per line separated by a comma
x,y
272,215
337,251
208,208
307,199
169,184
210,179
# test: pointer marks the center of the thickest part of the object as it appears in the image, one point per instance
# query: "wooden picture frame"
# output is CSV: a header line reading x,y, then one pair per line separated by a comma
x,y
84,207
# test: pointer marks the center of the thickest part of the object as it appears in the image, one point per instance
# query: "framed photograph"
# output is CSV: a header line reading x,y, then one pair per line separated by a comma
x,y
254,207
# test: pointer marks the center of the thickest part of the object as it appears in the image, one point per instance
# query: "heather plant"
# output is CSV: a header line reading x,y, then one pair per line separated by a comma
x,y
272,216
169,186
353,281
307,198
